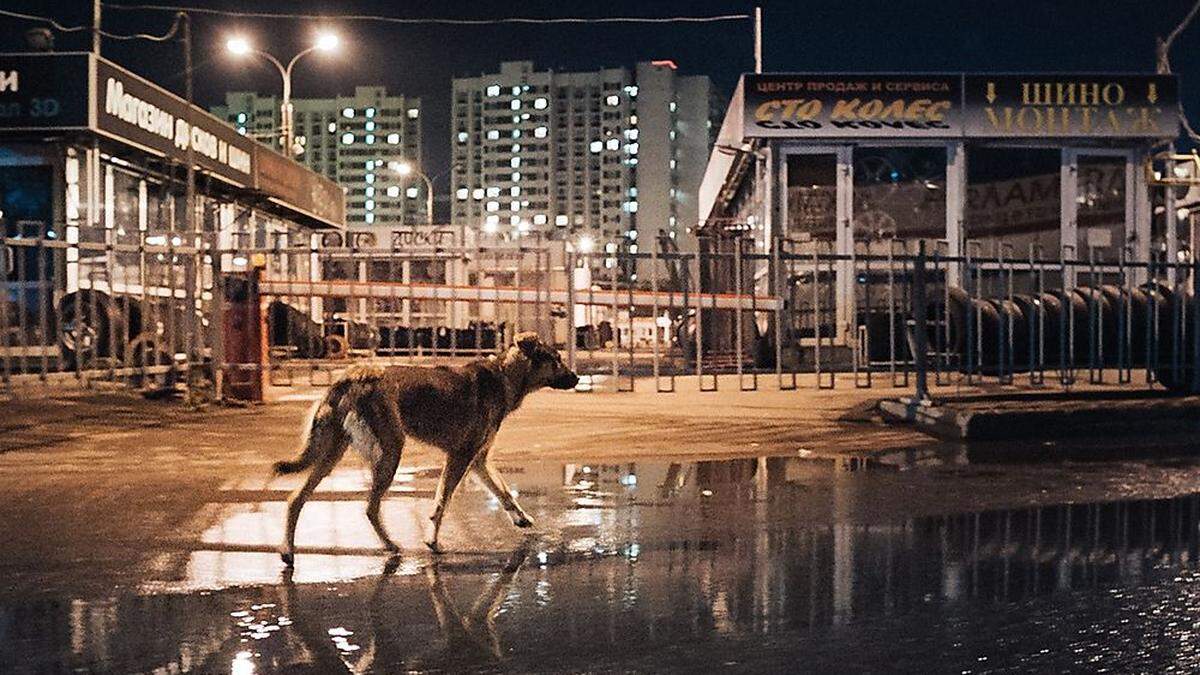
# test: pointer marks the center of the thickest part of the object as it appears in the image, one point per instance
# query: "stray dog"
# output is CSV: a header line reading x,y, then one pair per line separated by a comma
x,y
458,409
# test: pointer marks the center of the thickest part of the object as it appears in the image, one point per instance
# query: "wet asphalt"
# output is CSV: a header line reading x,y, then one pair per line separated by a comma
x,y
147,546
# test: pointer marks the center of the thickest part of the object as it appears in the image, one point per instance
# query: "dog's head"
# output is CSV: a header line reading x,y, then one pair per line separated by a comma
x,y
546,365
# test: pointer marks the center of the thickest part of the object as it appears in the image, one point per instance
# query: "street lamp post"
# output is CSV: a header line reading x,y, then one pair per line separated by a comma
x,y
407,169
326,42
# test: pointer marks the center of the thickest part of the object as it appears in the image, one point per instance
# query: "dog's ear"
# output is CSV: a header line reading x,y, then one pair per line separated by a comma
x,y
527,341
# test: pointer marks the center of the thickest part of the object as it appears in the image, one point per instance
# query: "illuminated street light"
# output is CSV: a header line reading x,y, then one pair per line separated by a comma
x,y
586,244
406,168
240,46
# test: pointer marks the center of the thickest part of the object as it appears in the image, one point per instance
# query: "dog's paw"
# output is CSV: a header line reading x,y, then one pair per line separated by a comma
x,y
289,559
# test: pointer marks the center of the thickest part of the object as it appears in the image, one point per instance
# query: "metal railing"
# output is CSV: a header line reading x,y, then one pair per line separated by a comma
x,y
161,309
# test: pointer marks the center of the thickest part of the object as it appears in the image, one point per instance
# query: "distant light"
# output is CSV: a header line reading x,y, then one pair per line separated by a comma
x,y
1182,213
327,42
238,45
587,244
490,227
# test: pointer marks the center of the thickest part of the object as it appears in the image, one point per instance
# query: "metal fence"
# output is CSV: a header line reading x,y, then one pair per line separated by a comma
x,y
175,308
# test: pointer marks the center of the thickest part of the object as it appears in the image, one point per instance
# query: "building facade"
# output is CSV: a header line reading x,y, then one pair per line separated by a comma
x,y
608,155
354,140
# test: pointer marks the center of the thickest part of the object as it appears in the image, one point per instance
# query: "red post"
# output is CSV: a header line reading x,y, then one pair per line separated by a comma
x,y
245,338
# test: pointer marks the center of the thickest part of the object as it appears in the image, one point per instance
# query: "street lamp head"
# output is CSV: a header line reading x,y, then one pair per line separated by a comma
x,y
327,42
586,244
238,45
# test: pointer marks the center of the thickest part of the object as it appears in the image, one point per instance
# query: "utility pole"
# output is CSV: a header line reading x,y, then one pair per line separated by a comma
x,y
189,200
96,27
758,62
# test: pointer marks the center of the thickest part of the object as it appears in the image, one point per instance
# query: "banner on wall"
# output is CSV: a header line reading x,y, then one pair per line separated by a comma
x,y
824,105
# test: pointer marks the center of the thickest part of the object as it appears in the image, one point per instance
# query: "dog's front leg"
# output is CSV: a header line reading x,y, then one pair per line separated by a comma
x,y
494,482
452,473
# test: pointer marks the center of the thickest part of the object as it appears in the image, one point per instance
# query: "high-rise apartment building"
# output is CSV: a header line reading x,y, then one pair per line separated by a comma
x,y
614,155
355,140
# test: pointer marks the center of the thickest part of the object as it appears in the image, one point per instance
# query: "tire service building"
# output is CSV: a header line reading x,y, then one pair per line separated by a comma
x,y
1029,167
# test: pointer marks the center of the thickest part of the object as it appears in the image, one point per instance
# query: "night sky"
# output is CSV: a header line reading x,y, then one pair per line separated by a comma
x,y
838,35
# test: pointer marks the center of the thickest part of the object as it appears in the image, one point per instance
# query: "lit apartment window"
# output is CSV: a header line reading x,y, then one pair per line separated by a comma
x,y
514,162
347,112
595,146
370,112
492,220
633,192
632,148
673,106
631,134
672,134
539,132
393,191
516,133
493,206
516,221
370,139
673,193
514,191
560,220
411,193
516,104
393,138
413,113
241,118
370,204
540,104
347,138
516,91
493,134
493,192
612,144
462,137
370,191
461,193
370,178
516,176
477,194
632,207
673,163
671,221
242,130
493,90
332,127
633,119
370,217
632,90
370,126
539,219
514,206
613,100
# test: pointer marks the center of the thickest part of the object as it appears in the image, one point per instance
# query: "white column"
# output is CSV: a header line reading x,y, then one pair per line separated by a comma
x,y
1069,212
956,207
845,243
1138,211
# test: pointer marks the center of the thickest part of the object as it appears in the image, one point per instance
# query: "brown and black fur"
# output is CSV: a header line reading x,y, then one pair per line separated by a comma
x,y
458,409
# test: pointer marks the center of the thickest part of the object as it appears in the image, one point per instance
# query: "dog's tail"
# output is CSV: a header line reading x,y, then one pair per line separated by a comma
x,y
326,420
323,419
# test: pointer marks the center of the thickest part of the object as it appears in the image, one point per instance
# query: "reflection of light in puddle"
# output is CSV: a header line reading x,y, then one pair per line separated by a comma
x,y
220,569
242,664
337,524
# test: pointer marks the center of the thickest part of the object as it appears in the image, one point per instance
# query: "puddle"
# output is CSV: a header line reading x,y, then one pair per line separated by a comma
x,y
866,563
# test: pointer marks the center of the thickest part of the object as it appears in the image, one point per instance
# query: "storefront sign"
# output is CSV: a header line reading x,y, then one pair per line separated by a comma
x,y
135,111
422,238
861,106
43,91
298,187
814,105
1110,106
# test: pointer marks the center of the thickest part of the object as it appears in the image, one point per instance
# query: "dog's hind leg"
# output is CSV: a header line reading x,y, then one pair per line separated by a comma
x,y
494,482
334,442
456,467
383,423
